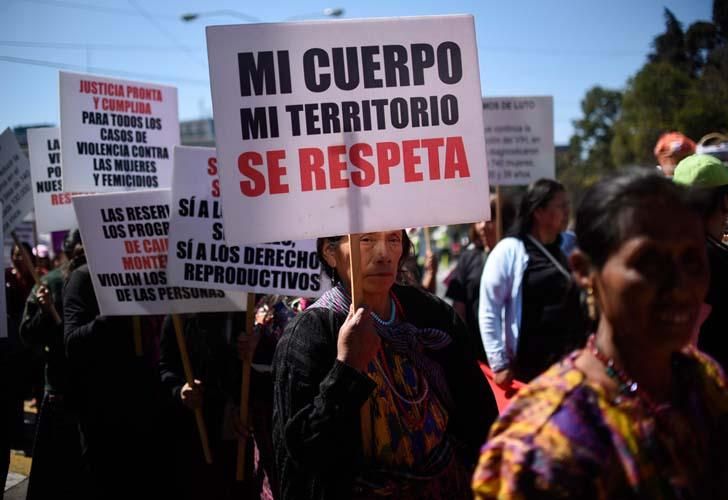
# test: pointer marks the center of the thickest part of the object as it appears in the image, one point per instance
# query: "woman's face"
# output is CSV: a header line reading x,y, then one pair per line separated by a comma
x,y
380,255
554,216
651,288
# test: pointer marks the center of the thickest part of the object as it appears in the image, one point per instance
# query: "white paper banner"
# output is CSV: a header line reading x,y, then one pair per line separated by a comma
x,y
199,255
15,189
116,135
519,136
328,128
125,240
53,207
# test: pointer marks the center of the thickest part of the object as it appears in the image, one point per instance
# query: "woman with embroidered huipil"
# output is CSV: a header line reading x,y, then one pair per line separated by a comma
x,y
382,400
635,414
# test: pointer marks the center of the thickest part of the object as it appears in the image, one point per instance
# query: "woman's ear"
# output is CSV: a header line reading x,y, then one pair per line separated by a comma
x,y
581,268
329,252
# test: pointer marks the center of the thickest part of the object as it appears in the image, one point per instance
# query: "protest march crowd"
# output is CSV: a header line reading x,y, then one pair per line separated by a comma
x,y
619,336
570,353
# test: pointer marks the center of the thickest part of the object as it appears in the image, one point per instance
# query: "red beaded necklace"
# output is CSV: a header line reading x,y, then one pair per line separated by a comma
x,y
626,385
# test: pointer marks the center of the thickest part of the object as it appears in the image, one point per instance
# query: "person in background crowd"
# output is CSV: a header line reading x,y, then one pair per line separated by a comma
x,y
464,282
382,400
118,396
43,262
425,278
214,345
16,360
707,177
530,313
634,414
670,149
273,314
56,465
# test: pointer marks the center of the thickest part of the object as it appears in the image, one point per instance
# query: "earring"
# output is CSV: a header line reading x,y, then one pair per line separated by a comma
x,y
591,303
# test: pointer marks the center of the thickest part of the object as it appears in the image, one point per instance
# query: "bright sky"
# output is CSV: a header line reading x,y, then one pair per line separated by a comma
x,y
526,47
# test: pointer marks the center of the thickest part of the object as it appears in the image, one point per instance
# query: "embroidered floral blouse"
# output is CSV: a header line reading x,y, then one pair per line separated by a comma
x,y
563,437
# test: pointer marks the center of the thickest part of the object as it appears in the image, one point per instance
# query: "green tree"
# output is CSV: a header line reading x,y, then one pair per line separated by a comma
x,y
650,106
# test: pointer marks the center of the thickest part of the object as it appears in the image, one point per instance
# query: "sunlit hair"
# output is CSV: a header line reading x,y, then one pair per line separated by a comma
x,y
335,240
615,208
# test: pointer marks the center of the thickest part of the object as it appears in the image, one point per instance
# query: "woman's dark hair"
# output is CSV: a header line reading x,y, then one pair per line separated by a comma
x,y
539,194
28,251
607,214
73,248
331,272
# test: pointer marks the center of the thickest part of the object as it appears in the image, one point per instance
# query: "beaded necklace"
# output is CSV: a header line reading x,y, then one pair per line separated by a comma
x,y
392,315
626,385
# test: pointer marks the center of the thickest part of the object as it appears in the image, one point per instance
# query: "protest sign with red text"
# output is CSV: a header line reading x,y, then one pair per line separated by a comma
x,y
125,240
347,126
53,207
200,255
116,135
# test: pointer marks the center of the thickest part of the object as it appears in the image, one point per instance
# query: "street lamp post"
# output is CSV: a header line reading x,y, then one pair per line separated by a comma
x,y
192,16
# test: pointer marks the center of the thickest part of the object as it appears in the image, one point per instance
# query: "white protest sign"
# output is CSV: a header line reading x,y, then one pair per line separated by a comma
x,y
519,137
198,253
347,127
15,188
53,207
116,135
3,304
125,239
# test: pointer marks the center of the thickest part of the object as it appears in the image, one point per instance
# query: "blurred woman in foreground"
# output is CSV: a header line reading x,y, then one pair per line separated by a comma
x,y
382,400
635,414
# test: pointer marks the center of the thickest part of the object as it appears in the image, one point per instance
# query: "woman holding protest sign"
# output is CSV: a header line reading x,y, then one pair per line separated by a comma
x,y
635,414
529,311
382,400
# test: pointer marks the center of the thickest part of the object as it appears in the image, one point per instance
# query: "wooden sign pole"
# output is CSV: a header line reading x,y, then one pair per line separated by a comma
x,y
182,345
245,390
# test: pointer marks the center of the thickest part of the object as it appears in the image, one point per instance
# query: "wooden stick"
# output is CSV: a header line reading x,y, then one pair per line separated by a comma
x,y
428,245
28,262
136,322
245,390
354,270
498,215
182,345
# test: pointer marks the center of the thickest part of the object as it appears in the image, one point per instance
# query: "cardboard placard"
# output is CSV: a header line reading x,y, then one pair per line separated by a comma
x,y
519,137
116,135
198,250
328,128
125,239
15,189
53,207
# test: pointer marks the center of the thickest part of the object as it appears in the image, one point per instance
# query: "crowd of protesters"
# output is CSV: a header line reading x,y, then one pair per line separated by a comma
x,y
618,328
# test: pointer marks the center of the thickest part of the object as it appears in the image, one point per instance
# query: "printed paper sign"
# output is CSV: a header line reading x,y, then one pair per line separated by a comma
x,y
15,189
125,239
347,127
198,251
53,207
117,135
519,136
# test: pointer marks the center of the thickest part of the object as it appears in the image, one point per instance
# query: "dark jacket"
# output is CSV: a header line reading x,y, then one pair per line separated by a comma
x,y
38,329
117,394
317,399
